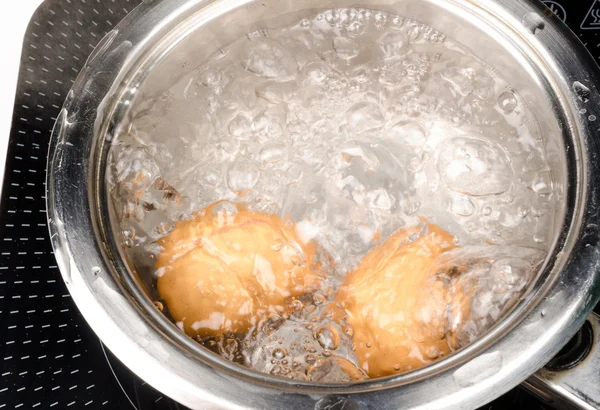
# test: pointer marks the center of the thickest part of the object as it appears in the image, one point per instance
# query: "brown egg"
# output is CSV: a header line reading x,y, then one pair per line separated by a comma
x,y
226,269
397,305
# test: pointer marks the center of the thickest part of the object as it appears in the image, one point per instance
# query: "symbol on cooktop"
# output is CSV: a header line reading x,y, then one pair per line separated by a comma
x,y
556,8
592,18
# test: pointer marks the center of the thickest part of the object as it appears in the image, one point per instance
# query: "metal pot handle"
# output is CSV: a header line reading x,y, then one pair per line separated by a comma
x,y
572,379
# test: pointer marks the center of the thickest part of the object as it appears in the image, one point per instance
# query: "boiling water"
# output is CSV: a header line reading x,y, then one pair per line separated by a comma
x,y
354,124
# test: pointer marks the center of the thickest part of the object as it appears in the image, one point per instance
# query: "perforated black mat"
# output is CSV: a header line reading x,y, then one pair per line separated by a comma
x,y
49,357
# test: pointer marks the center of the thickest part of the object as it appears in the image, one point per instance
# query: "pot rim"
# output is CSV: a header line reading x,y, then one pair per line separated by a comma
x,y
158,352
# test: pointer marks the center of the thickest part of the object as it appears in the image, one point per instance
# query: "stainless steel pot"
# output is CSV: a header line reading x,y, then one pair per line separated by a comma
x,y
545,63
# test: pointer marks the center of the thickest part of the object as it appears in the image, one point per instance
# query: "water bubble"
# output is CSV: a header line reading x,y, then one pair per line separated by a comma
x,y
408,132
293,252
360,75
332,17
226,148
380,19
279,353
275,92
211,176
242,176
414,33
592,118
474,167
416,163
328,337
322,128
315,73
522,211
310,358
240,126
512,272
394,44
355,29
334,369
542,183
267,125
274,152
363,117
582,92
224,213
460,80
507,101
210,77
345,47
298,129
159,305
96,270
267,58
486,210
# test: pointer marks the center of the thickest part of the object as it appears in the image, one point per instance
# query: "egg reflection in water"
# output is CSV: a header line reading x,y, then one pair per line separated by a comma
x,y
350,197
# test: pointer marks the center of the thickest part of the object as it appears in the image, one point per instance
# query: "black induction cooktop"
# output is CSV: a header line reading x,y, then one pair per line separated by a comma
x,y
49,357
